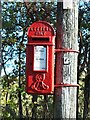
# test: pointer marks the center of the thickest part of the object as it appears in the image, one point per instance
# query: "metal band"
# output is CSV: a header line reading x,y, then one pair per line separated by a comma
x,y
66,85
66,50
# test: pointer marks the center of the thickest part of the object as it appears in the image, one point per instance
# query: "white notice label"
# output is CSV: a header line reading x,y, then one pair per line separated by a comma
x,y
40,58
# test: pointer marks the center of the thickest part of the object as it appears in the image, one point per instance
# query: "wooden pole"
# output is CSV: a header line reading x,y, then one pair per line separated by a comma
x,y
66,62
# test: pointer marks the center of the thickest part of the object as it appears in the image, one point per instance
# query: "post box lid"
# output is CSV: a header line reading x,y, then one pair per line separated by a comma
x,y
40,28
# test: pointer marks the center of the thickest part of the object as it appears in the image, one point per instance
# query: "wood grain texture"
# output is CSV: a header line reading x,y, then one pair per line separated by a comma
x,y
65,97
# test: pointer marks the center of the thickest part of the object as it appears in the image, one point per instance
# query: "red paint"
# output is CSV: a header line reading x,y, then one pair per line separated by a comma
x,y
40,79
66,85
66,50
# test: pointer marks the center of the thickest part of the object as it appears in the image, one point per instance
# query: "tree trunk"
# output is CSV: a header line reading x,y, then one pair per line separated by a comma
x,y
19,92
45,107
34,109
78,72
27,114
86,111
0,41
86,97
66,62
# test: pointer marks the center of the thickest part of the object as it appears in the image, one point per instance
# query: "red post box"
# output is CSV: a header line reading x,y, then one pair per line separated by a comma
x,y
40,58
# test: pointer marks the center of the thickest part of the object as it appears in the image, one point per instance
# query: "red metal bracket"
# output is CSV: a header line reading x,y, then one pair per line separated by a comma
x,y
66,85
66,50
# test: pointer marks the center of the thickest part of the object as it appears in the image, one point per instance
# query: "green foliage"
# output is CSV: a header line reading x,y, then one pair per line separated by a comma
x,y
84,57
16,17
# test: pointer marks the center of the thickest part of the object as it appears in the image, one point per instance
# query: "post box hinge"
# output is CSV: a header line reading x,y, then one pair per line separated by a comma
x,y
66,50
66,85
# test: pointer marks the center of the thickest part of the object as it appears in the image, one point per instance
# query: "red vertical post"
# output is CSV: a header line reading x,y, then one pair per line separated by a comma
x,y
59,61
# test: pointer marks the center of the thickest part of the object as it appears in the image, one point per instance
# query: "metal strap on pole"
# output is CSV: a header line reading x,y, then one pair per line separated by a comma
x,y
66,85
66,50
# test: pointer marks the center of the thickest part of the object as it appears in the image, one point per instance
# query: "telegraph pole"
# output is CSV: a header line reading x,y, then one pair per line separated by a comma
x,y
66,60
